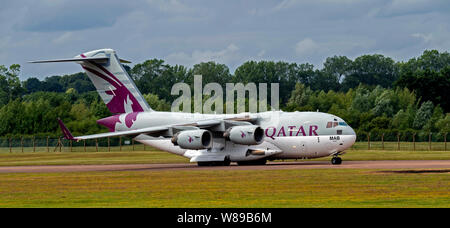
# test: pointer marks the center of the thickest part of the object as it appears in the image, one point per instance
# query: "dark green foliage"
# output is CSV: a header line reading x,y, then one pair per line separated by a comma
x,y
10,87
286,74
79,81
372,93
157,104
324,81
423,115
211,73
154,76
32,85
428,76
371,70
367,110
429,85
380,122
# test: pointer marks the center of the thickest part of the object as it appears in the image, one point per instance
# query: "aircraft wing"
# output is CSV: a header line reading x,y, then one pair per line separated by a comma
x,y
213,124
147,130
203,123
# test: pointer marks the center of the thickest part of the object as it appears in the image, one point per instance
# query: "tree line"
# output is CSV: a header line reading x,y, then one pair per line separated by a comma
x,y
371,92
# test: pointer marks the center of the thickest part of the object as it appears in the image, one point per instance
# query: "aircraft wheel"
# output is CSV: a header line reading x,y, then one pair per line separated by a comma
x,y
256,162
204,163
227,162
336,161
262,162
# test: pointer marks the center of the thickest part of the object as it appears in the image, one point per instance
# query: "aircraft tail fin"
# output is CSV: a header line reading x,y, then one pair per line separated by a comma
x,y
112,82
65,131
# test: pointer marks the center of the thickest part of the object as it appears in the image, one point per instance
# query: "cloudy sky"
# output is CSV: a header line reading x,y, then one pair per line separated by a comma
x,y
229,32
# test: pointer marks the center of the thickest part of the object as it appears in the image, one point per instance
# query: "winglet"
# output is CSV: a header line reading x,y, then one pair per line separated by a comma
x,y
124,61
65,131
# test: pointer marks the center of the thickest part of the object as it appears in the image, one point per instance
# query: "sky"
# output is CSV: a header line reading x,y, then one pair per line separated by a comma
x,y
229,32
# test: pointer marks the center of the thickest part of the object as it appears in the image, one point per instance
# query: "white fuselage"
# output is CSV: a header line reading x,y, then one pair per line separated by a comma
x,y
295,135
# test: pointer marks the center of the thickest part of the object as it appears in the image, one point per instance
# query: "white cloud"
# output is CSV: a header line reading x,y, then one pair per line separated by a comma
x,y
261,53
225,56
315,52
170,6
426,37
229,32
4,41
65,38
306,46
438,39
409,7
286,4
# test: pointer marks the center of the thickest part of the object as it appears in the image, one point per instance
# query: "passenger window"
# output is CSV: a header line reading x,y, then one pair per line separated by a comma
x,y
339,132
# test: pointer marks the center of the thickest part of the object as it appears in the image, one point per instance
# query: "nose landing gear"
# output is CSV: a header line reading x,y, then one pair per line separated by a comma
x,y
336,160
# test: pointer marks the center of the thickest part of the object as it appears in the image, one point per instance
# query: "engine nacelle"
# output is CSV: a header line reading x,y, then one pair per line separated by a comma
x,y
193,139
245,135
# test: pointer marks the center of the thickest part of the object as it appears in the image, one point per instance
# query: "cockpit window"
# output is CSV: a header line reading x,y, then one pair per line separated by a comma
x,y
343,124
335,124
329,124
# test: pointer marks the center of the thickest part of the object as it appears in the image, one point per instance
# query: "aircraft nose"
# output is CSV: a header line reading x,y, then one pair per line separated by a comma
x,y
353,134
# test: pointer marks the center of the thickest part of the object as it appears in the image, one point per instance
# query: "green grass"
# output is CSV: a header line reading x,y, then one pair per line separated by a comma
x,y
213,188
80,148
229,188
151,155
89,158
368,155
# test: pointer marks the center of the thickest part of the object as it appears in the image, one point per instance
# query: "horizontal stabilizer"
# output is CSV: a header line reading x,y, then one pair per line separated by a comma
x,y
94,59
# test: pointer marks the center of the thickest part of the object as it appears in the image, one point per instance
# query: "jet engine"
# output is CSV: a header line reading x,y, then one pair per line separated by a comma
x,y
193,139
245,135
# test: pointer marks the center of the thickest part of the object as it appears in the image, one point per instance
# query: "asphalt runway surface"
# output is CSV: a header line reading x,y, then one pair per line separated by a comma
x,y
394,165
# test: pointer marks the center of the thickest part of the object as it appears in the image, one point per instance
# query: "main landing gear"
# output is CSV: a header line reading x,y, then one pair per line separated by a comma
x,y
255,162
225,162
336,160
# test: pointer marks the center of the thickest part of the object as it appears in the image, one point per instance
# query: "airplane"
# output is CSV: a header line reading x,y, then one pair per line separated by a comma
x,y
208,139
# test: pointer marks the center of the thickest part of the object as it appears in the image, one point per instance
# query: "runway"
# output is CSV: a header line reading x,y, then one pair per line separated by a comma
x,y
394,165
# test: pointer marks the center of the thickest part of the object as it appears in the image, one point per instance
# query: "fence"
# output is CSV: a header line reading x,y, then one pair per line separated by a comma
x,y
401,141
410,141
51,144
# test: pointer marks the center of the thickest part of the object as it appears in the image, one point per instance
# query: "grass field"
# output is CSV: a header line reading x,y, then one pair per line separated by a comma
x,y
213,188
150,155
78,147
231,188
89,158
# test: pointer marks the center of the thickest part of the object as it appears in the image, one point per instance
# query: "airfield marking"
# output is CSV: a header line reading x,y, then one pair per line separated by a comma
x,y
394,164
